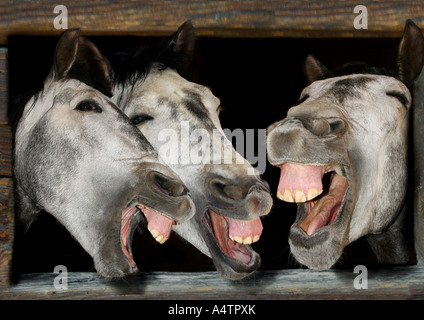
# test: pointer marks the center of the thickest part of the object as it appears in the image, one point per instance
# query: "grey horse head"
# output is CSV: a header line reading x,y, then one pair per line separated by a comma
x,y
180,119
79,158
343,153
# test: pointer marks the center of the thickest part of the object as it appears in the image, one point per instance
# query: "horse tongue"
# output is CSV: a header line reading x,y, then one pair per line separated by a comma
x,y
325,210
299,183
159,226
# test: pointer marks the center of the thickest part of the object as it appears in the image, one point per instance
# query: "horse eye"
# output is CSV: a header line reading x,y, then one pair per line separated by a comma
x,y
399,96
219,109
87,106
141,118
303,98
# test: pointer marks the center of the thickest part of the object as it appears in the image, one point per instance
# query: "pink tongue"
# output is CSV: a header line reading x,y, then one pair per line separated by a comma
x,y
158,222
295,177
325,210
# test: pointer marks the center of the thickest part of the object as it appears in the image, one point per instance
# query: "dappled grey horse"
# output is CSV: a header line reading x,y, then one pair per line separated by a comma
x,y
343,157
79,158
180,119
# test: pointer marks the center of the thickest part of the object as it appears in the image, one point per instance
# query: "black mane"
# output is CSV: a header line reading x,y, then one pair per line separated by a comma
x,y
134,64
129,66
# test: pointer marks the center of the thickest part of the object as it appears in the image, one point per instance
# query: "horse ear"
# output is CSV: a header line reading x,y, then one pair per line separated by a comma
x,y
91,67
411,53
179,48
66,52
78,58
313,69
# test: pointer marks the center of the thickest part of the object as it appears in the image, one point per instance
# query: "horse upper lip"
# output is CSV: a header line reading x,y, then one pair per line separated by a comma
x,y
303,182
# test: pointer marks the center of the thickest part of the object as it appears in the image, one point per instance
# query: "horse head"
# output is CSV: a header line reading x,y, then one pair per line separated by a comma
x,y
79,158
180,119
343,153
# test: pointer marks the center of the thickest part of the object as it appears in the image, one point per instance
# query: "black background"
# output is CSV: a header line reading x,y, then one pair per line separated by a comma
x,y
257,80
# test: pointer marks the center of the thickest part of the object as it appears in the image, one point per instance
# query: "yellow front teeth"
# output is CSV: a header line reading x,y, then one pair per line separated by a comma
x,y
158,237
299,195
247,240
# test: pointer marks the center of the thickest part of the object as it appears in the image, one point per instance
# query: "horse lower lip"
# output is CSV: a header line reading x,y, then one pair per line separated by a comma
x,y
129,222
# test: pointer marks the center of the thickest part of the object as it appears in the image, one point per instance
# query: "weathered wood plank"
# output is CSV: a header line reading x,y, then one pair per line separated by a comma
x,y
6,230
5,151
4,94
390,283
418,138
212,18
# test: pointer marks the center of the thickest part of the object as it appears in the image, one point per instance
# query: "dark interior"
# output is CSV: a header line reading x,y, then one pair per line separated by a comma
x,y
257,80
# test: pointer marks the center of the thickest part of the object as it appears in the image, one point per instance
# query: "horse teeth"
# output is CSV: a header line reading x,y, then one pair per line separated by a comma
x,y
286,196
247,240
299,196
154,232
312,193
238,239
160,238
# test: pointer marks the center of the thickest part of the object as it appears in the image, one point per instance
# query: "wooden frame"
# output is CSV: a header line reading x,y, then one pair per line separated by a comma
x,y
213,19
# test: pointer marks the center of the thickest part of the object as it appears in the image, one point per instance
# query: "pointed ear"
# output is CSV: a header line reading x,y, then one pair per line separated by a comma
x,y
66,52
411,54
313,69
91,67
179,48
78,58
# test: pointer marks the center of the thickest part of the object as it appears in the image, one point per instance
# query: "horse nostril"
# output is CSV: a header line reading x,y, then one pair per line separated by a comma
x,y
337,126
319,127
324,127
234,192
168,185
226,189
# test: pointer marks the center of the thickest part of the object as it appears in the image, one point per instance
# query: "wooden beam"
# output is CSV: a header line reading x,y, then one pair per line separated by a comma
x,y
385,283
212,18
4,93
7,226
418,151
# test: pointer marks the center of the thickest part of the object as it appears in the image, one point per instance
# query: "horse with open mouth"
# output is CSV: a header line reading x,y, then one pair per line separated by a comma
x,y
343,154
180,119
79,158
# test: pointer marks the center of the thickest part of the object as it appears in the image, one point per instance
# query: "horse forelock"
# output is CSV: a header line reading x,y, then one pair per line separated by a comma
x,y
130,67
360,68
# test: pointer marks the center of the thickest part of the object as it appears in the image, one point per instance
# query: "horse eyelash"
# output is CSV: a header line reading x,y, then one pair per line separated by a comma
x,y
303,98
140,119
88,106
219,109
399,96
